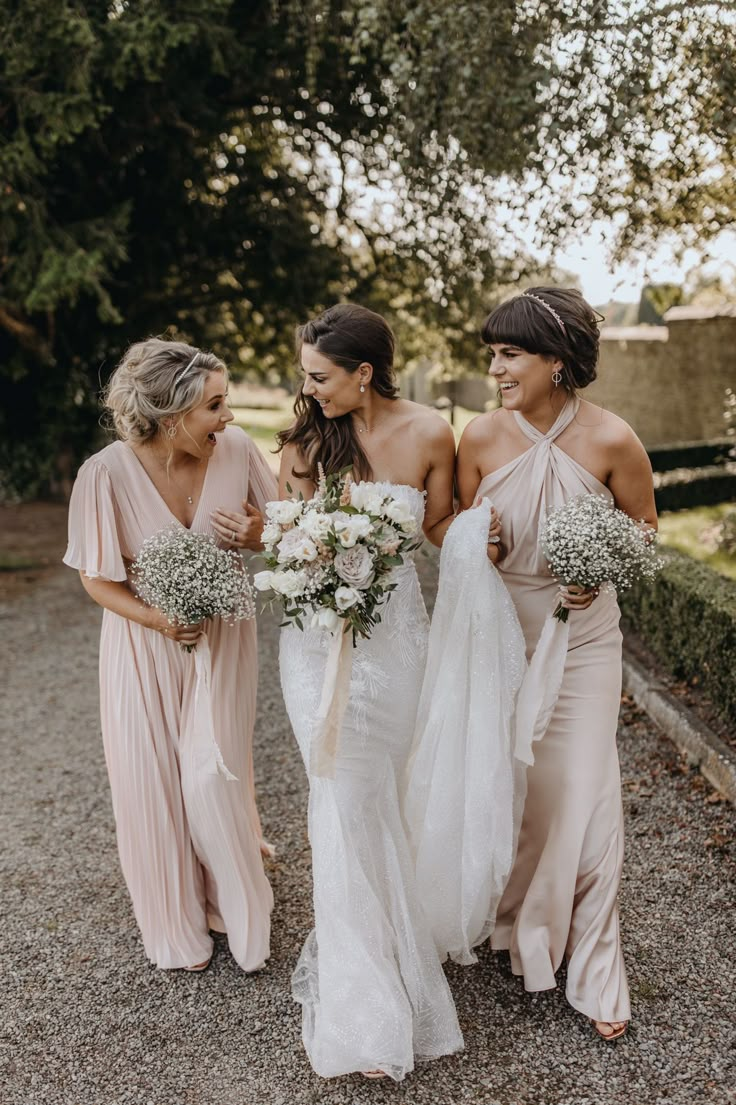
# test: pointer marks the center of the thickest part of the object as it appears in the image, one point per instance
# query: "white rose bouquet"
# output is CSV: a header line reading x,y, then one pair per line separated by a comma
x,y
330,558
187,576
588,542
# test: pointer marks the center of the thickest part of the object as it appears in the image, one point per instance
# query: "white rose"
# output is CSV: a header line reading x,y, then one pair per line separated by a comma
x,y
326,618
288,583
345,597
350,528
398,511
295,545
363,496
262,581
355,566
271,533
316,525
284,511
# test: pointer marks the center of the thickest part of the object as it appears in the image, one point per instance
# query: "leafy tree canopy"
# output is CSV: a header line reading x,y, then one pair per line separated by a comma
x,y
222,169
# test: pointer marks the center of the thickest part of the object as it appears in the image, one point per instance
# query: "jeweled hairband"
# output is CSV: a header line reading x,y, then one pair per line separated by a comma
x,y
547,307
184,371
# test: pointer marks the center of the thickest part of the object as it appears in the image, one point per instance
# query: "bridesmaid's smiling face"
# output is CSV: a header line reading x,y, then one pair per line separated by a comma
x,y
332,388
196,432
524,379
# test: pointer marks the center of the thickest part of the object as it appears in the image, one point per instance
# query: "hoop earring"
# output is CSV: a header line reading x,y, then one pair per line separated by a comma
x,y
362,388
556,378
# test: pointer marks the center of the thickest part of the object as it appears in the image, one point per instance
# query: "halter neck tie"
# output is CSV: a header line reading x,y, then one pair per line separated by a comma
x,y
563,420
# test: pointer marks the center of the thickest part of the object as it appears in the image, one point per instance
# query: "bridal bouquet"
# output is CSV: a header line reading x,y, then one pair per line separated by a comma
x,y
331,557
588,542
187,576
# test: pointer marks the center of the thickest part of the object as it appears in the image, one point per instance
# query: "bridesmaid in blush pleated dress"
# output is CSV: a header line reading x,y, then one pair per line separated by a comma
x,y
190,839
543,446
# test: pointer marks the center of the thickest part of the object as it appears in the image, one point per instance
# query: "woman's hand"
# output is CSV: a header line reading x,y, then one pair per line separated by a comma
x,y
239,531
183,634
573,597
494,549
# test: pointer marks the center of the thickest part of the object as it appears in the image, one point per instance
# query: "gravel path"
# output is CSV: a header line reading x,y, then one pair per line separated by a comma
x,y
86,1021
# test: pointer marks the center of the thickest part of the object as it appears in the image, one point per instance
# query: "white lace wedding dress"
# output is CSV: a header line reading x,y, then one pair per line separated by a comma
x,y
369,979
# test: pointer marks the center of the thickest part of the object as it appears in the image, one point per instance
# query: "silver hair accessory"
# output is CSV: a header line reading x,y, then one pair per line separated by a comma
x,y
178,379
547,307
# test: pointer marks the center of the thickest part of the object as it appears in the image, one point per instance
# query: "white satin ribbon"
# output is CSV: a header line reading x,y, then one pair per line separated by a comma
x,y
207,754
540,687
334,700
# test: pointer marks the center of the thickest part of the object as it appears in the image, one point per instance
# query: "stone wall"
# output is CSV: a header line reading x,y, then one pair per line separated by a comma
x,y
668,382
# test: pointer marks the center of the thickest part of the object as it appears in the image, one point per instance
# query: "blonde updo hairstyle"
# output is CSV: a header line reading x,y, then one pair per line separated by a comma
x,y
157,382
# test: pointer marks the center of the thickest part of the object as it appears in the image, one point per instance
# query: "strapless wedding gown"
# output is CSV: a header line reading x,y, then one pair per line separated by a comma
x,y
369,979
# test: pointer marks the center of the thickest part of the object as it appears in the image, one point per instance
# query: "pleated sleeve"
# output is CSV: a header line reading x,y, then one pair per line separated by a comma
x,y
262,484
94,544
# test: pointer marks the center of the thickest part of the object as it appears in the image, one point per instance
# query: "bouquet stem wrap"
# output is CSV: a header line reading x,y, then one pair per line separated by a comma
x,y
334,700
206,751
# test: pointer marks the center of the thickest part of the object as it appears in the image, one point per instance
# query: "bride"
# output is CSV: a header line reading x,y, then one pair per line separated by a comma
x,y
373,992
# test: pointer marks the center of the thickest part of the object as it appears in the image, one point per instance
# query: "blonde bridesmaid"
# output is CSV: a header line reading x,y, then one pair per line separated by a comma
x,y
544,445
190,843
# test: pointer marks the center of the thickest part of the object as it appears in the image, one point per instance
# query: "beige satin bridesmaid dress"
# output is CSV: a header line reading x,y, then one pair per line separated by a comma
x,y
561,899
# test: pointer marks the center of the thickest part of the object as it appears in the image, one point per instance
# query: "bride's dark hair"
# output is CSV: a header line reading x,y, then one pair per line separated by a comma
x,y
349,336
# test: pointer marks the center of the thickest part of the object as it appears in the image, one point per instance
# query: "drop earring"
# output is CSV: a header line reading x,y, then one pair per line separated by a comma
x,y
171,431
556,378
362,388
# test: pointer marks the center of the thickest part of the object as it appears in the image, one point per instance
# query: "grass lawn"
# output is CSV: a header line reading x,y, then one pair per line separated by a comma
x,y
262,424
693,532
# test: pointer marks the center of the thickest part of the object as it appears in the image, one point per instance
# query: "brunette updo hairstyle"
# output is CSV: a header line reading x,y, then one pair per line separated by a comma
x,y
156,381
349,336
526,322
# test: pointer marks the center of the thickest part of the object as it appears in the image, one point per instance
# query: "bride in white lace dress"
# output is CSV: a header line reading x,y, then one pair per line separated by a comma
x,y
369,979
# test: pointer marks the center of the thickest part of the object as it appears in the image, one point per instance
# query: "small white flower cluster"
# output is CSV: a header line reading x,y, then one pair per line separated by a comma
x,y
331,556
187,576
588,542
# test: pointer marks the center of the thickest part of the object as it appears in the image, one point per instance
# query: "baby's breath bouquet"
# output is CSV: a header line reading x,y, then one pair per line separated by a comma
x,y
588,542
330,558
187,576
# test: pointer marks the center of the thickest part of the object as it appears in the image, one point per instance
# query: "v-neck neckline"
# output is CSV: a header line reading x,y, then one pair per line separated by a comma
x,y
166,506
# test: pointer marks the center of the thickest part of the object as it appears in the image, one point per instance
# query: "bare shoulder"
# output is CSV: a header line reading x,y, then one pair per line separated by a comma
x,y
484,427
431,426
611,431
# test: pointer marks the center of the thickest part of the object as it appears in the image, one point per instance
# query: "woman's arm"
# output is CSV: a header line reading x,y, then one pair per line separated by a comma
x,y
468,475
631,481
118,598
439,509
291,458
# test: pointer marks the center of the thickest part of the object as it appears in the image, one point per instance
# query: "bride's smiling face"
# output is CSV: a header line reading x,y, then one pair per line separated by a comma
x,y
524,379
335,390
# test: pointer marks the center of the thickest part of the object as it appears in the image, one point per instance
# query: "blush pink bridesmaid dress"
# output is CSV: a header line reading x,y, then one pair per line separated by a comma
x,y
189,841
560,901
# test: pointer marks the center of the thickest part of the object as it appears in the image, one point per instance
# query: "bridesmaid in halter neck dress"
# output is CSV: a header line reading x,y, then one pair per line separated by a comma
x,y
543,446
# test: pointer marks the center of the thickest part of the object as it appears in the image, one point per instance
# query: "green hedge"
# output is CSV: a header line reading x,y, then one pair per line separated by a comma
x,y
696,454
685,488
687,617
